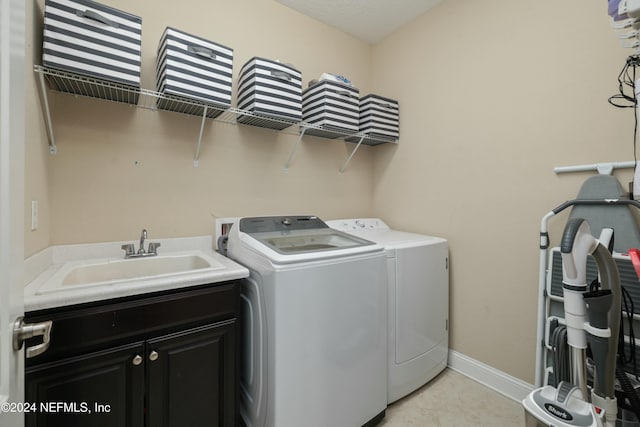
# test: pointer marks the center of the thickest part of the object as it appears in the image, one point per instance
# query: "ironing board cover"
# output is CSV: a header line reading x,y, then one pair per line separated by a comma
x,y
623,219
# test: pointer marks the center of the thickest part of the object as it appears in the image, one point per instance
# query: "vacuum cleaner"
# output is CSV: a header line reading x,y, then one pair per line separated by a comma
x,y
592,317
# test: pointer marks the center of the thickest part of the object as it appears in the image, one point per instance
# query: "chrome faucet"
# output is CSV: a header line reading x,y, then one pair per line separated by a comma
x,y
130,251
143,237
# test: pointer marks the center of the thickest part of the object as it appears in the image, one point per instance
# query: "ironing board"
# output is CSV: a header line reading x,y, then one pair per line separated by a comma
x,y
600,201
623,219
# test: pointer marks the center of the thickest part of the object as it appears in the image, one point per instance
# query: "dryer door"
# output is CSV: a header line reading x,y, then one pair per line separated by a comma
x,y
422,300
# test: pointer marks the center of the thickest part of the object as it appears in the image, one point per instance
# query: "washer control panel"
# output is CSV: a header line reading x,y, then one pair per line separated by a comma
x,y
280,223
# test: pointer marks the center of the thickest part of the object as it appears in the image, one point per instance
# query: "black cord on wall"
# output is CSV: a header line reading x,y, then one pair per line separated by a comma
x,y
623,99
626,82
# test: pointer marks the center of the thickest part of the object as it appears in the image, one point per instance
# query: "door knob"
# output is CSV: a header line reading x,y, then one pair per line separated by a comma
x,y
137,360
23,331
153,355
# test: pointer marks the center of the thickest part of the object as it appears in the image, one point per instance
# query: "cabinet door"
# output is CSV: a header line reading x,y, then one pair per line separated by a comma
x,y
191,377
99,389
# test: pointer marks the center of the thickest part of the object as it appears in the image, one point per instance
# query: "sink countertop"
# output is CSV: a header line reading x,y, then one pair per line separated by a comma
x,y
40,269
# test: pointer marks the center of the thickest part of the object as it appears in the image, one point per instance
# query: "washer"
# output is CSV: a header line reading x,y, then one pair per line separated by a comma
x,y
315,324
418,282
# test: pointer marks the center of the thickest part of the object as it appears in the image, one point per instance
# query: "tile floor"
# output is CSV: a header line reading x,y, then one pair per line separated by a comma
x,y
453,400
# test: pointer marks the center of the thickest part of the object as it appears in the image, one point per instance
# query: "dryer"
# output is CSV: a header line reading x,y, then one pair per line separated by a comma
x,y
315,324
418,297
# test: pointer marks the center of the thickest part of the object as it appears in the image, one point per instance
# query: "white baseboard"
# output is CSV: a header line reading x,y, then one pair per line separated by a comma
x,y
503,383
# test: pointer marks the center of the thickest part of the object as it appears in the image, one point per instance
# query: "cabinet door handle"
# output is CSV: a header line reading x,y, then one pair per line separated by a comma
x,y
137,360
153,356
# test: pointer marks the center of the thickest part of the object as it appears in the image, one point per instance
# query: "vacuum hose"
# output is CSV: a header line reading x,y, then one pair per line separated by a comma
x,y
599,303
610,280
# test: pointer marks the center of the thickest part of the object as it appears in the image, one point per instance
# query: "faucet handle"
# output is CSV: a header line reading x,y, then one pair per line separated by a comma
x,y
153,248
129,249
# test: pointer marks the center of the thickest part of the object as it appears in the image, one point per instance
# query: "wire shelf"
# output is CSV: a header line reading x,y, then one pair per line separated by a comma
x,y
86,86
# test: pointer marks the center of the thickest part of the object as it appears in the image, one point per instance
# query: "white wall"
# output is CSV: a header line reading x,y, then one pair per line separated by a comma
x,y
493,95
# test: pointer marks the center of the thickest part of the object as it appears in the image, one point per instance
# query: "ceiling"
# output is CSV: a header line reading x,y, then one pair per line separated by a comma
x,y
368,20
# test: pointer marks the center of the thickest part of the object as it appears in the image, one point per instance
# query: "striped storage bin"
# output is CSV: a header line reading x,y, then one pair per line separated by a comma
x,y
270,90
91,39
380,118
333,106
190,68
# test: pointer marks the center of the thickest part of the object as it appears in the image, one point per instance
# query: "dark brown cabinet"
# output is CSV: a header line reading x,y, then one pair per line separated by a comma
x,y
164,360
187,381
100,389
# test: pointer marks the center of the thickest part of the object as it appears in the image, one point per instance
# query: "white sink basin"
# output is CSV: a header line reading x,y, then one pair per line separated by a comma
x,y
111,271
133,268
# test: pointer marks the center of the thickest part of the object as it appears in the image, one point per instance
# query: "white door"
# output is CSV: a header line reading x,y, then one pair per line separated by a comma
x,y
12,129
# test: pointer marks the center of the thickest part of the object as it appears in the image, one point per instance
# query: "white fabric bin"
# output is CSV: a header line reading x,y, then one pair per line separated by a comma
x,y
379,117
333,106
270,90
91,39
192,68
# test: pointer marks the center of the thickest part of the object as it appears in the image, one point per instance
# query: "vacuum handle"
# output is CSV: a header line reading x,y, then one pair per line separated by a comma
x,y
577,243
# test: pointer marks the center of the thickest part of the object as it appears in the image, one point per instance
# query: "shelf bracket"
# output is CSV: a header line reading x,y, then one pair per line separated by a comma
x,y
346,162
295,147
196,158
53,149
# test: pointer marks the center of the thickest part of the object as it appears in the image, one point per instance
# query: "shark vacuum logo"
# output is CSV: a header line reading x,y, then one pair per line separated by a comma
x,y
558,412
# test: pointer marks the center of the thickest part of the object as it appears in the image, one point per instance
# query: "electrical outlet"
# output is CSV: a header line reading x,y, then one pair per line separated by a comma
x,y
34,215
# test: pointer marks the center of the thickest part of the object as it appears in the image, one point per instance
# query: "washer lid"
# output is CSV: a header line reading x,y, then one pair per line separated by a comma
x,y
305,241
297,238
